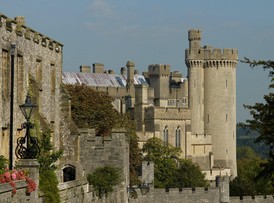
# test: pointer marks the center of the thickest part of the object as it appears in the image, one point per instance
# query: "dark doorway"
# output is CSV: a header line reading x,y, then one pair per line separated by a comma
x,y
69,173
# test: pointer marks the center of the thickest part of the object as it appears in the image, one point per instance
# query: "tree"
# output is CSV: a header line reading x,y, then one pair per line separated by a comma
x,y
170,170
247,183
189,175
164,157
135,157
47,176
93,109
263,119
104,179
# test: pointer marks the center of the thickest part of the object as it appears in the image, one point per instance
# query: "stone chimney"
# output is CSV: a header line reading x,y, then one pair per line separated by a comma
x,y
130,71
111,72
85,69
123,71
98,68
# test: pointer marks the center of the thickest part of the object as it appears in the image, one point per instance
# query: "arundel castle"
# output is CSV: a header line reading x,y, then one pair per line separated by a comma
x,y
196,112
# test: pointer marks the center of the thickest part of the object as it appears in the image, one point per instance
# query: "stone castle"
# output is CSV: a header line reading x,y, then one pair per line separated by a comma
x,y
196,113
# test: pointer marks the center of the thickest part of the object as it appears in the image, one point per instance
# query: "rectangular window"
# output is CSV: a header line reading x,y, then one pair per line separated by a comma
x,y
178,137
165,135
52,78
39,76
20,79
5,74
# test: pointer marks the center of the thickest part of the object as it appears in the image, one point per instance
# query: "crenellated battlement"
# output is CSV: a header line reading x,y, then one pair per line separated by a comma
x,y
177,195
168,113
220,54
196,52
209,53
220,63
201,139
194,35
159,70
194,63
17,27
250,199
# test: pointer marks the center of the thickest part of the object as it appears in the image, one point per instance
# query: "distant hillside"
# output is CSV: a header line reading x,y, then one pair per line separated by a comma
x,y
247,138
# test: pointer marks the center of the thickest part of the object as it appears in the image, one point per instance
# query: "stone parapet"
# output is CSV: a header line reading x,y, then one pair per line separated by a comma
x,y
20,29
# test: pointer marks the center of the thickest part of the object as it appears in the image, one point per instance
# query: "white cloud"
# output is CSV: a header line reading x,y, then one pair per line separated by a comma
x,y
101,8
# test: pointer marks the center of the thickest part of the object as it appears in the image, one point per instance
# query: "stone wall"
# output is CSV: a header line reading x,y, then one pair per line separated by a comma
x,y
20,196
186,195
249,199
111,150
37,69
75,191
193,195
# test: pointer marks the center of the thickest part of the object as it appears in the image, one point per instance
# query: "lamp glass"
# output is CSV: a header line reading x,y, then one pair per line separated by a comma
x,y
27,108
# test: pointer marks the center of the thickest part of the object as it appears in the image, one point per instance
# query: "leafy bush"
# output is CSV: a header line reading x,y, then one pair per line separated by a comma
x,y
104,179
170,170
3,164
48,179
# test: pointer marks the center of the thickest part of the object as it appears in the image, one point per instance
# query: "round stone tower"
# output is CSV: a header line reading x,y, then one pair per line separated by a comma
x,y
212,93
195,62
220,104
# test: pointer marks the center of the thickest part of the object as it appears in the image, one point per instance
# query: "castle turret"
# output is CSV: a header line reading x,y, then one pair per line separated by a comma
x,y
130,98
194,38
212,93
130,71
194,61
159,75
141,102
220,104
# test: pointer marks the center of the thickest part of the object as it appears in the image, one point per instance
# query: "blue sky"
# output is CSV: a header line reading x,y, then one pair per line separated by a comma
x,y
155,31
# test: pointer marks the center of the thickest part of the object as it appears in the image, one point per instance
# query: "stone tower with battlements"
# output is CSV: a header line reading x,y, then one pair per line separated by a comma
x,y
212,97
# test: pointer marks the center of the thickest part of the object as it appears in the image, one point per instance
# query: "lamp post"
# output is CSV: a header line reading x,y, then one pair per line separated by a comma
x,y
12,53
27,146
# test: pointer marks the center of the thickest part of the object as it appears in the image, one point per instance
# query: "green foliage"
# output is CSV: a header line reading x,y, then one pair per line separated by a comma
x,y
165,161
263,119
104,179
48,179
93,109
189,175
247,182
47,157
48,185
247,138
170,170
3,164
135,157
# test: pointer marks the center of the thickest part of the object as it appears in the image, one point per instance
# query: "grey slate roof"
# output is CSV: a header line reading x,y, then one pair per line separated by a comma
x,y
99,79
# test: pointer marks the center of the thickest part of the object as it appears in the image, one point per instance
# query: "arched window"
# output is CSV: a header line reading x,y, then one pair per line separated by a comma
x,y
165,135
69,173
178,137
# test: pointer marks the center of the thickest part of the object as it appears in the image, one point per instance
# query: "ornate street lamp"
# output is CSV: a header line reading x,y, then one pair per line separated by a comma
x,y
27,147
